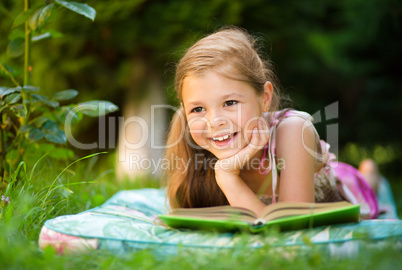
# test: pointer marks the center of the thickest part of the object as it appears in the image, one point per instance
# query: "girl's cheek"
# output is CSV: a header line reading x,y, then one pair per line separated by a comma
x,y
198,131
197,127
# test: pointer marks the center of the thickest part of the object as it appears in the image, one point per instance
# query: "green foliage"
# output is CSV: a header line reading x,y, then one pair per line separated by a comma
x,y
79,8
36,19
329,51
346,50
34,124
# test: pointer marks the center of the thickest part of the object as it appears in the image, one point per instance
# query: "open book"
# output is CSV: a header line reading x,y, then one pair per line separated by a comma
x,y
284,215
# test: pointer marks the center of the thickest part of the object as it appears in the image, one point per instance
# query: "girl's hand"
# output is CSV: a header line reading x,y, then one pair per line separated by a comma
x,y
235,163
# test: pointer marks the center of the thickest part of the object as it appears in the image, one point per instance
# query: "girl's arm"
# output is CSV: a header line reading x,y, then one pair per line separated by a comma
x,y
227,172
297,174
238,192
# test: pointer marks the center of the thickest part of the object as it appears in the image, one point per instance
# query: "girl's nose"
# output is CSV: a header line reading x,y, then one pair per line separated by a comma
x,y
219,121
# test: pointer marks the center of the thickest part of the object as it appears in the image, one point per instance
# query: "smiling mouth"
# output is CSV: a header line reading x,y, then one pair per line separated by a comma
x,y
224,138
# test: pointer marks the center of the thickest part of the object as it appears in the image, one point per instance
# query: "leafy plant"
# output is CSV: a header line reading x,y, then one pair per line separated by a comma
x,y
33,124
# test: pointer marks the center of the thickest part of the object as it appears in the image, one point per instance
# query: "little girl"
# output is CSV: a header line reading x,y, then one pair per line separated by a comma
x,y
230,144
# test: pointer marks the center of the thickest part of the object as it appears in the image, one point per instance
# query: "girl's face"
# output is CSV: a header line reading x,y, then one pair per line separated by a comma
x,y
222,112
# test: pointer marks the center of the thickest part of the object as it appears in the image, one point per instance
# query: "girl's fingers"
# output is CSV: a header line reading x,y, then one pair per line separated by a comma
x,y
259,138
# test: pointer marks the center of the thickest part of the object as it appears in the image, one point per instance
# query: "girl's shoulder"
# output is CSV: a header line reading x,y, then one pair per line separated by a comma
x,y
293,123
279,116
306,122
289,118
287,125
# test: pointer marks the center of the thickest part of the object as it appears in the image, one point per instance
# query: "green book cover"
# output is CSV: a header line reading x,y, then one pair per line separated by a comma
x,y
283,215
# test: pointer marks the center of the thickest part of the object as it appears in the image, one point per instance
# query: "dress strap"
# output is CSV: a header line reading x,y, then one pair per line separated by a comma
x,y
270,148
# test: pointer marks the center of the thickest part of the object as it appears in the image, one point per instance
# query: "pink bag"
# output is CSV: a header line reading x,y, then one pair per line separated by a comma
x,y
355,189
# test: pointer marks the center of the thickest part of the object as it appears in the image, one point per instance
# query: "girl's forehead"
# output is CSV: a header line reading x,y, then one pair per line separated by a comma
x,y
225,72
214,84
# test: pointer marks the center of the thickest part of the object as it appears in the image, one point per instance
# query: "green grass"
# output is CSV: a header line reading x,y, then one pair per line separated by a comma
x,y
48,191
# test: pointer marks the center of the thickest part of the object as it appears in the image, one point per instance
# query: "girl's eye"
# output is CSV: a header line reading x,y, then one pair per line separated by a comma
x,y
230,102
197,109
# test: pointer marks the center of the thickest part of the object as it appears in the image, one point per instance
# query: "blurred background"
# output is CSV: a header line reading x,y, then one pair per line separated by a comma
x,y
345,51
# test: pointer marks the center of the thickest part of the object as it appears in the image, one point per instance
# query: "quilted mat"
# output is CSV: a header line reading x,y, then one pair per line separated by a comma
x,y
128,222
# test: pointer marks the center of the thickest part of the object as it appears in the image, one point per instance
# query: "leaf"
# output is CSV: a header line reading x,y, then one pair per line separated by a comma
x,y
47,35
31,88
16,33
58,136
2,91
25,128
39,97
45,100
40,121
68,113
36,134
65,95
2,108
19,110
8,91
39,18
96,108
13,98
22,17
79,8
51,103
41,37
50,126
16,47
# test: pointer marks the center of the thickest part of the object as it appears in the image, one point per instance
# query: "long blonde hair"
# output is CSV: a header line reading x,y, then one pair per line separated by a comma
x,y
233,53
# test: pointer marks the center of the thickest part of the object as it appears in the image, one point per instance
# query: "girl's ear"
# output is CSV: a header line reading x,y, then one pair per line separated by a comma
x,y
267,96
